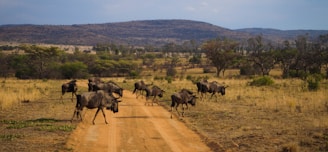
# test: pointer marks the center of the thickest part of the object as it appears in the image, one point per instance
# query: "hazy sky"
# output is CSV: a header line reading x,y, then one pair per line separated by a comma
x,y
232,14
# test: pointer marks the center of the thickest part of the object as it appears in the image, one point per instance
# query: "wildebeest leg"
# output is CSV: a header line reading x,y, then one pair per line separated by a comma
x,y
216,97
202,95
78,115
182,111
176,108
153,101
102,110
72,96
93,121
75,112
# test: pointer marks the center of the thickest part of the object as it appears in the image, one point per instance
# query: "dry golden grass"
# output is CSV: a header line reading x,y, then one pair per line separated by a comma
x,y
15,91
270,118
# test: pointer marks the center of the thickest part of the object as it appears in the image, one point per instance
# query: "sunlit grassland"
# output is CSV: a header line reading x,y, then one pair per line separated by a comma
x,y
282,114
14,91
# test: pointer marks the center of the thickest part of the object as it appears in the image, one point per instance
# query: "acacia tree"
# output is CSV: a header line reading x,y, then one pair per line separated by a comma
x,y
39,58
287,57
221,53
262,55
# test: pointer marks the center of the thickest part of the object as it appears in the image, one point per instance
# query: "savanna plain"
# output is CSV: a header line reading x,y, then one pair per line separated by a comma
x,y
282,117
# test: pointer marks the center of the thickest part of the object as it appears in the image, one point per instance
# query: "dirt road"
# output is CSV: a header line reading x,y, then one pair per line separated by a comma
x,y
135,127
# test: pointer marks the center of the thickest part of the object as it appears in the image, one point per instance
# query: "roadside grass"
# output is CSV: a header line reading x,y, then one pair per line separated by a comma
x,y
41,124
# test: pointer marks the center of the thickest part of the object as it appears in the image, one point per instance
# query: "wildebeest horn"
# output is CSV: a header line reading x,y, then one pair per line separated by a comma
x,y
226,86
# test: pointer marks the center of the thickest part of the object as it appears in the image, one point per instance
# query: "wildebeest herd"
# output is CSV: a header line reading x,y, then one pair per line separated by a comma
x,y
107,95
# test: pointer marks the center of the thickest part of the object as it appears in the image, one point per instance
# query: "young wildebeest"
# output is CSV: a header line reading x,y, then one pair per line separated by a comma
x,y
91,100
182,97
69,87
154,92
140,86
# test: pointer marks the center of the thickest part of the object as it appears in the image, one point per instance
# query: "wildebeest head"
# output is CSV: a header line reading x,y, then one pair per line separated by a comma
x,y
222,89
112,105
156,91
192,100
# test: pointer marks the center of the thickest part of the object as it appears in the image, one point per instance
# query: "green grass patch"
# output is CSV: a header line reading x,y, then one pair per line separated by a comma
x,y
42,124
53,128
10,137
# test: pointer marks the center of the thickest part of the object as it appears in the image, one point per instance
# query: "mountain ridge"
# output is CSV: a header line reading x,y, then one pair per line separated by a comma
x,y
141,32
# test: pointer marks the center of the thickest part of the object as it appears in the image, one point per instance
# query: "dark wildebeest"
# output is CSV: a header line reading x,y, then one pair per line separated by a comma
x,y
188,92
109,87
153,92
140,86
199,85
69,87
91,100
203,87
182,97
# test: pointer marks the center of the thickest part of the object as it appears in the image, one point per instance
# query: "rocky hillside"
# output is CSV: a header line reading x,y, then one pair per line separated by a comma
x,y
149,32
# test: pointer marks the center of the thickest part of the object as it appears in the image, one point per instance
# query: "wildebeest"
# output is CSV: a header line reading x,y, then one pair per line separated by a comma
x,y
153,92
109,87
69,87
215,87
182,97
210,87
140,86
91,100
202,87
199,85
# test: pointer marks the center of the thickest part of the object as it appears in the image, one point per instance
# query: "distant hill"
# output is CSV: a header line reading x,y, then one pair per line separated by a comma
x,y
148,32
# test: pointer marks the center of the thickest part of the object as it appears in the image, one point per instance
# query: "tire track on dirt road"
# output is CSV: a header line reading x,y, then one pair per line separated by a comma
x,y
136,128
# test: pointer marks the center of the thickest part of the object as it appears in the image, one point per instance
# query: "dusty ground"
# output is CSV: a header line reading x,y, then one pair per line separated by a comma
x,y
135,127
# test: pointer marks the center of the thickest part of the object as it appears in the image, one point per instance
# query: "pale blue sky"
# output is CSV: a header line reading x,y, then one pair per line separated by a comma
x,y
232,14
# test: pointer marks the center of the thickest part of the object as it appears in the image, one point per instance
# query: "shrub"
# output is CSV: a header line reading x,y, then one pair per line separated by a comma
x,y
171,71
169,79
313,82
262,81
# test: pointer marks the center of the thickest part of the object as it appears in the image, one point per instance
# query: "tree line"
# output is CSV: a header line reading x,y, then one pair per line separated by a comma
x,y
300,58
255,56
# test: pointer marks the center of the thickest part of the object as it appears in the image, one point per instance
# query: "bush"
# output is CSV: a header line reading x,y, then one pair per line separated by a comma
x,y
262,81
313,82
171,71
169,79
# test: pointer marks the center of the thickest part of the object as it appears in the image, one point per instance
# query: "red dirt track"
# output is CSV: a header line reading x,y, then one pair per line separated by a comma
x,y
135,127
